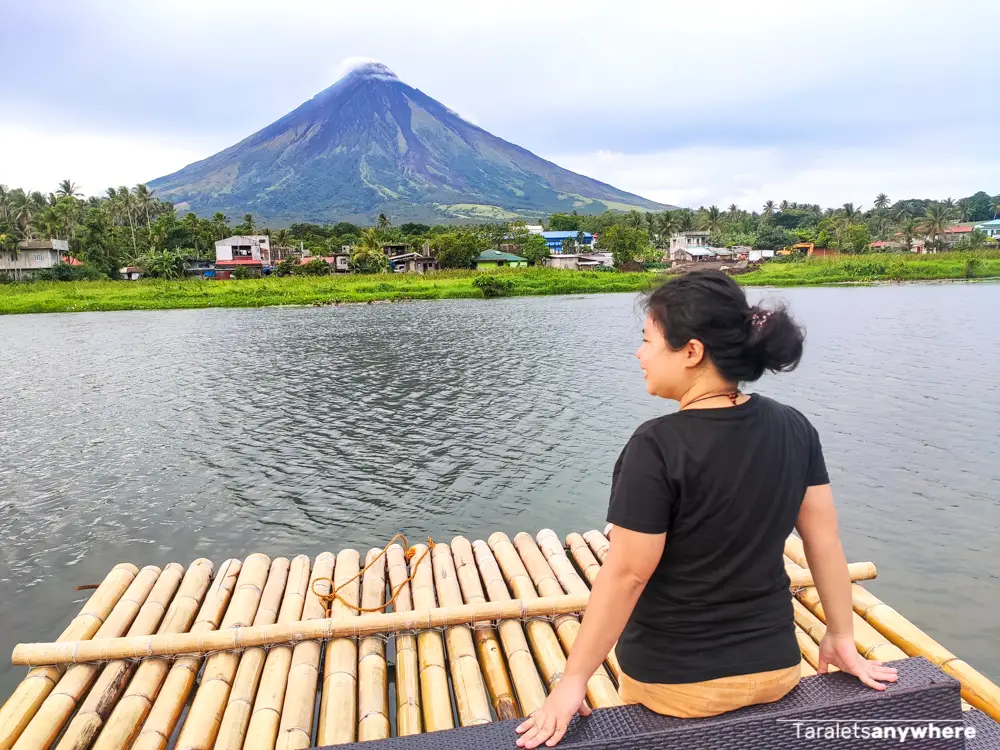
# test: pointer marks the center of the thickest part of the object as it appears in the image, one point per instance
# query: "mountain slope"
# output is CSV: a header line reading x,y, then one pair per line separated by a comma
x,y
371,143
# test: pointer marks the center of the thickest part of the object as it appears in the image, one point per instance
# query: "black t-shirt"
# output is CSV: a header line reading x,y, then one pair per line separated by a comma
x,y
726,486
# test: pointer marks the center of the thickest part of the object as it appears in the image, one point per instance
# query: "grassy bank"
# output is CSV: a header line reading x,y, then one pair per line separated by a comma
x,y
324,290
152,294
866,269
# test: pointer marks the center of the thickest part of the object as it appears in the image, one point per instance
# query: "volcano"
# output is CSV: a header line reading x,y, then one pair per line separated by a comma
x,y
369,144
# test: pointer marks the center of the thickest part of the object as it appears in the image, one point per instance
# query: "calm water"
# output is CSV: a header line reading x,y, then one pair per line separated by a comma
x,y
151,437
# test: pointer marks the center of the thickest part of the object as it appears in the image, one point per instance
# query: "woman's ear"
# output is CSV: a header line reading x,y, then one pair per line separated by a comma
x,y
694,353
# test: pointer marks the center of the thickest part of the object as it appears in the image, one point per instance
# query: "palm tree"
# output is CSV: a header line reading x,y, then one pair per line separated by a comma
x,y
949,204
143,199
220,224
936,220
712,219
881,201
785,205
733,210
685,221
69,189
248,223
768,210
383,222
850,213
4,202
668,224
963,209
634,220
996,207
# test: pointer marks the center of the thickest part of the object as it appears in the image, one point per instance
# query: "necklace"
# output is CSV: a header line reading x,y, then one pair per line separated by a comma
x,y
732,396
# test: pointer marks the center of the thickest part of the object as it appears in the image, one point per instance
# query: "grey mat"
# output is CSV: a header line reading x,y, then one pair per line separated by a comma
x,y
923,693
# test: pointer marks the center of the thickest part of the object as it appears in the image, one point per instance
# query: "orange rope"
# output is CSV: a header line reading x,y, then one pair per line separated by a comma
x,y
334,595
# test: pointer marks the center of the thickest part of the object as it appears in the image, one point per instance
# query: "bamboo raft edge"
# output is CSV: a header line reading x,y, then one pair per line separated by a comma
x,y
488,622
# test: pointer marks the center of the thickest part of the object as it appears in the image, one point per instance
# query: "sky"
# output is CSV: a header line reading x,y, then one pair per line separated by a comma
x,y
688,103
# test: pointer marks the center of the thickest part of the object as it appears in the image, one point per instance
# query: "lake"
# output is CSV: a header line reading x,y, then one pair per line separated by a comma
x,y
157,436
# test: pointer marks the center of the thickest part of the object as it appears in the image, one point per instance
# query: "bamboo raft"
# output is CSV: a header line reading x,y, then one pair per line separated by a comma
x,y
259,654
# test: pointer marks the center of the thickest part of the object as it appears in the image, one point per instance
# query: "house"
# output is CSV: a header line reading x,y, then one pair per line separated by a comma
x,y
692,253
32,256
952,235
255,247
568,261
756,256
130,273
990,229
680,242
413,263
394,248
198,267
555,240
497,259
534,228
592,260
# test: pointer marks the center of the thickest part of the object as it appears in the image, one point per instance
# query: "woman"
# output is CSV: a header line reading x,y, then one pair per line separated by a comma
x,y
694,589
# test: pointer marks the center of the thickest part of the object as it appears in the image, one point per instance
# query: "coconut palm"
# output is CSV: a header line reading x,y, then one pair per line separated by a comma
x,y
668,224
712,219
850,213
68,189
936,220
383,222
634,220
784,206
949,204
143,200
962,209
685,221
733,210
881,201
768,210
996,207
4,202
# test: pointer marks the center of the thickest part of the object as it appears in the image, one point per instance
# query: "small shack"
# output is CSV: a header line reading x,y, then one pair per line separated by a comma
x,y
413,263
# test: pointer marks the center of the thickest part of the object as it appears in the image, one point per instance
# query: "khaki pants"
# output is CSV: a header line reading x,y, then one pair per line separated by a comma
x,y
711,697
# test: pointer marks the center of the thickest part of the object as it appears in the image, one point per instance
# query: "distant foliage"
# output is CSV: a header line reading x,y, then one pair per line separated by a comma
x,y
313,267
66,272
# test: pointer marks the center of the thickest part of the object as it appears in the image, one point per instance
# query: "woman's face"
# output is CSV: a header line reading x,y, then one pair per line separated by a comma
x,y
668,373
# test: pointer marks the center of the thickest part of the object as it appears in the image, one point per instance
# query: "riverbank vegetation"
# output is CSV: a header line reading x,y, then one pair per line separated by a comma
x,y
161,294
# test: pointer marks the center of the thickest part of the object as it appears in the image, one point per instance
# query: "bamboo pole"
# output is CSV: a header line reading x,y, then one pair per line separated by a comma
x,y
338,708
583,556
527,684
299,707
262,730
528,679
205,642
500,556
35,687
89,720
801,577
466,677
164,709
408,714
131,711
600,690
201,726
59,706
977,689
599,544
870,643
373,679
434,694
237,711
569,579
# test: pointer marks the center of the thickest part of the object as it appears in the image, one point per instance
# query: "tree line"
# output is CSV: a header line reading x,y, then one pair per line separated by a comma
x,y
132,227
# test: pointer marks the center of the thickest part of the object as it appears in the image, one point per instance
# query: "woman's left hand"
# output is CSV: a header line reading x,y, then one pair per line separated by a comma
x,y
548,724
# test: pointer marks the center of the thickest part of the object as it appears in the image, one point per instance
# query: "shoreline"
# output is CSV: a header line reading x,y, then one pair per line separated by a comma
x,y
351,289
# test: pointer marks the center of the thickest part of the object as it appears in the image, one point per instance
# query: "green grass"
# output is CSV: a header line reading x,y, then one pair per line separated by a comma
x,y
866,269
152,294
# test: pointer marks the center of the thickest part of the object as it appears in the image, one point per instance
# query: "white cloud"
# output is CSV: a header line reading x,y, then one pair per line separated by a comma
x,y
37,160
706,175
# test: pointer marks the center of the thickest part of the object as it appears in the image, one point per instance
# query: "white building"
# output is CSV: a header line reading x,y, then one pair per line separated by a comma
x,y
244,248
681,242
31,257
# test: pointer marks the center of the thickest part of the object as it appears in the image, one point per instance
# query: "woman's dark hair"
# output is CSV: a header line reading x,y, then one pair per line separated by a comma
x,y
742,341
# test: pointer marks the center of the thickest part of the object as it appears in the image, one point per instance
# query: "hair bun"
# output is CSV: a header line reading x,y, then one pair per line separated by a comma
x,y
775,339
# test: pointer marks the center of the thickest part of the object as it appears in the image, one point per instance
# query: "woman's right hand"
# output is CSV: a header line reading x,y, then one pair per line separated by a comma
x,y
839,651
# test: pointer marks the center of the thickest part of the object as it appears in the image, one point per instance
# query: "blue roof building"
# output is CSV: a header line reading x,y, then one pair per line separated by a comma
x,y
555,240
991,228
